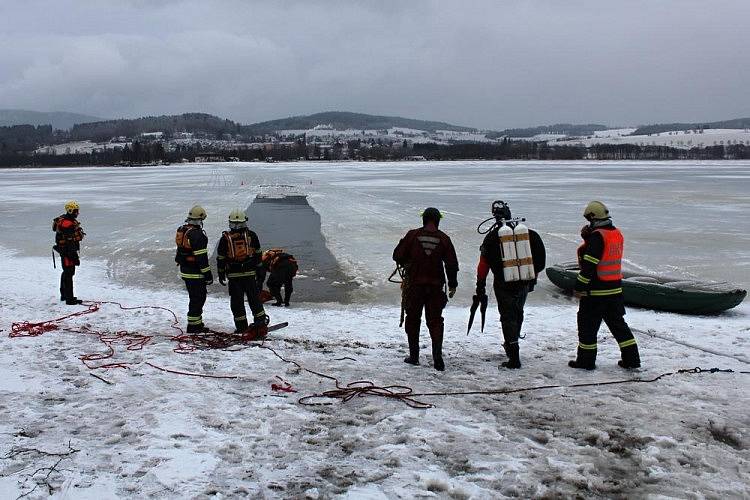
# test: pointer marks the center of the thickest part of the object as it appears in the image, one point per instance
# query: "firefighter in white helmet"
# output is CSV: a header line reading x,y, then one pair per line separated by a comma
x,y
599,286
192,257
238,259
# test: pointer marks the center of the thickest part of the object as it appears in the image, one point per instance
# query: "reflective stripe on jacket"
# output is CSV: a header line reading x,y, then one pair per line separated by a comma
x,y
609,267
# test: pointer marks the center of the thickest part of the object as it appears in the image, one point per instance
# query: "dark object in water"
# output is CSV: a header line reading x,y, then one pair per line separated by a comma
x,y
662,293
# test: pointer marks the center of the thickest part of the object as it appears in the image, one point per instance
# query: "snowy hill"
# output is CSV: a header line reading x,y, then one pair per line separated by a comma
x,y
339,120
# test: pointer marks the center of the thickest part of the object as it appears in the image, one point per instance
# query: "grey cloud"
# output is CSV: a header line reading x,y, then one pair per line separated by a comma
x,y
487,64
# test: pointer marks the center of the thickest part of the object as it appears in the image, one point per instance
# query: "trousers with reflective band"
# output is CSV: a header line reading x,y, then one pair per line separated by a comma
x,y
609,267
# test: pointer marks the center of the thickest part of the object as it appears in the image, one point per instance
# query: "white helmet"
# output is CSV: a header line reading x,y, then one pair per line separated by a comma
x,y
237,215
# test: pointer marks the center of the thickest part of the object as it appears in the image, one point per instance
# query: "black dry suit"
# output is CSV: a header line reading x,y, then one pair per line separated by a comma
x,y
238,258
511,296
192,257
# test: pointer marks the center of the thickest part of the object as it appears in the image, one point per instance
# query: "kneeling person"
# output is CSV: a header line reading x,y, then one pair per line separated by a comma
x,y
282,268
238,259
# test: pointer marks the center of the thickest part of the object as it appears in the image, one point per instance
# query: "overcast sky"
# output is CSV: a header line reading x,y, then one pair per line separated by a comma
x,y
492,64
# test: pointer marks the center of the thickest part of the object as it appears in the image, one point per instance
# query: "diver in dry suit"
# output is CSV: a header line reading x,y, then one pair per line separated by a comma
x,y
68,236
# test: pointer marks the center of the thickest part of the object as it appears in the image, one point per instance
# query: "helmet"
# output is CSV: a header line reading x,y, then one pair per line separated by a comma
x,y
237,215
500,210
197,212
433,214
596,210
71,206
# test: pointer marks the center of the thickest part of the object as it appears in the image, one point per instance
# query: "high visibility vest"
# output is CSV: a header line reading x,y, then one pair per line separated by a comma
x,y
609,267
238,246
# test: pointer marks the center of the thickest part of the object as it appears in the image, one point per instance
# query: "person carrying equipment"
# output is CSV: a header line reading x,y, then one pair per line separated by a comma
x,y
516,255
68,237
282,268
599,286
238,258
426,256
192,257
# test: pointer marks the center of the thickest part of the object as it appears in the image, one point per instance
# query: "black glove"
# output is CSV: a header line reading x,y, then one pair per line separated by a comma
x,y
209,277
260,276
481,288
222,279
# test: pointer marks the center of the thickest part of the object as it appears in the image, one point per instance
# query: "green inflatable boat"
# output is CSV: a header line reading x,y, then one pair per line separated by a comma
x,y
665,294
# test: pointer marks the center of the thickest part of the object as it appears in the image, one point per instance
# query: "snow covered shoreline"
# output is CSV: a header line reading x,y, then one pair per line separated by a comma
x,y
159,434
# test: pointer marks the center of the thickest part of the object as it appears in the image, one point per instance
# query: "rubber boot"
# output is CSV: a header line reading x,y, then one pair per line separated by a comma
x,y
287,296
413,357
586,359
514,359
630,357
437,354
197,329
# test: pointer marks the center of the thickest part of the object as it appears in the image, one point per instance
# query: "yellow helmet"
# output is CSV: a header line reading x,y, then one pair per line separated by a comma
x,y
596,210
237,215
71,207
197,212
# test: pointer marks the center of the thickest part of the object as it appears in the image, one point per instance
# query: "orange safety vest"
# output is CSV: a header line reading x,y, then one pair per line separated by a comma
x,y
609,267
238,246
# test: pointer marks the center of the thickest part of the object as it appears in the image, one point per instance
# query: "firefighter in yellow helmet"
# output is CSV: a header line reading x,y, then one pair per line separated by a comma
x,y
238,259
599,286
192,257
68,236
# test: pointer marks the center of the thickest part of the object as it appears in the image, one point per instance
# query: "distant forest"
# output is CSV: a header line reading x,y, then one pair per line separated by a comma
x,y
145,153
18,143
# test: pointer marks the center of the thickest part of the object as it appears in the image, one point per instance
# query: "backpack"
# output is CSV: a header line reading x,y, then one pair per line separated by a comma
x,y
238,246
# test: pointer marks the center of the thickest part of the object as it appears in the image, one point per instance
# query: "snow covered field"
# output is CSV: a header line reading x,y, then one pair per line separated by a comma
x,y
161,434
682,139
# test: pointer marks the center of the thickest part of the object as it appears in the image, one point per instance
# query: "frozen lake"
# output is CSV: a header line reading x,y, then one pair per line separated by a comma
x,y
683,218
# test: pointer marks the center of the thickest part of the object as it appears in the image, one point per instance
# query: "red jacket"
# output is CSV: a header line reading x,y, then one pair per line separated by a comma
x,y
423,252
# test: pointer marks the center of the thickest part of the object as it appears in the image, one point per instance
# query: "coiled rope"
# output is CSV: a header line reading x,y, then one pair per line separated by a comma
x,y
187,343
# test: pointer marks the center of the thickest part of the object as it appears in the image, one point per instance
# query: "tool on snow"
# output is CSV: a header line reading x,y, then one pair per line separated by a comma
x,y
476,301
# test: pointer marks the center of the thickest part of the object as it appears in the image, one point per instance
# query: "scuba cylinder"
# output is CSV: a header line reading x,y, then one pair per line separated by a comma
x,y
514,241
523,252
508,251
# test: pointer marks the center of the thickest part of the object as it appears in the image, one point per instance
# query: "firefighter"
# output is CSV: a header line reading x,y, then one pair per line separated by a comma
x,y
282,268
68,236
426,255
599,287
510,295
238,259
192,257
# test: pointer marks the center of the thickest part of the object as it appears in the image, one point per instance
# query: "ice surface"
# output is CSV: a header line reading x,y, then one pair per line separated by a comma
x,y
155,434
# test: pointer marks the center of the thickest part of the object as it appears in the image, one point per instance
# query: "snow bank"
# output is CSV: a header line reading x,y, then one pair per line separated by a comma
x,y
158,434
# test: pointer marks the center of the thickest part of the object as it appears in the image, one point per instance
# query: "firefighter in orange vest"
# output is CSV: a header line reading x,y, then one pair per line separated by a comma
x,y
192,257
599,286
238,258
68,236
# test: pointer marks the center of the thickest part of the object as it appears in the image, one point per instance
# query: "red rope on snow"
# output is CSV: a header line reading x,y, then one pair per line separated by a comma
x,y
192,374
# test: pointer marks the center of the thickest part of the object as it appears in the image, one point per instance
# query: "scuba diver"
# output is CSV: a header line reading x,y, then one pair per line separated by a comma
x,y
515,255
